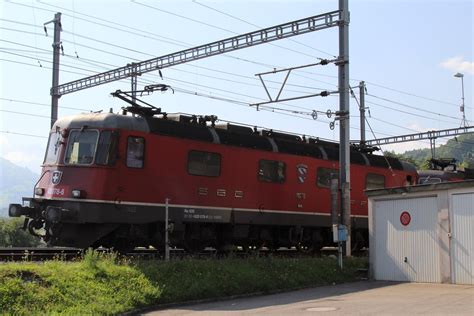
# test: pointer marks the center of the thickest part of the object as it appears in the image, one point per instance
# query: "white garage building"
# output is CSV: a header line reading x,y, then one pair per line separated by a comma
x,y
423,233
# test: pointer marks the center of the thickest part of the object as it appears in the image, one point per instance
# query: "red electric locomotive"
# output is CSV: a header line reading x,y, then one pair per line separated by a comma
x,y
106,178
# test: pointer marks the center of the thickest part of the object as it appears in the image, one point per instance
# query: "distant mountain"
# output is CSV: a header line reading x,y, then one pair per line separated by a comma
x,y
15,183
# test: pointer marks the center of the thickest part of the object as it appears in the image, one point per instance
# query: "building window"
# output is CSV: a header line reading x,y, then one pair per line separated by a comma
x,y
201,163
374,181
271,171
324,175
81,147
135,152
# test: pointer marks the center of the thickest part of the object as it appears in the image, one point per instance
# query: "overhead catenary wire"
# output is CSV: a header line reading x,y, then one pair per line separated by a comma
x,y
22,134
89,61
258,26
181,44
213,26
147,34
412,107
408,113
212,87
411,94
265,109
40,104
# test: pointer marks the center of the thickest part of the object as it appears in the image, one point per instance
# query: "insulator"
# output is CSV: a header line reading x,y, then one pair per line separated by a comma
x,y
329,113
332,125
314,115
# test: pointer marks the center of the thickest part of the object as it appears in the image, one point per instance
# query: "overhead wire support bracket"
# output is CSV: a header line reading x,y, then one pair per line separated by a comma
x,y
321,94
270,34
288,70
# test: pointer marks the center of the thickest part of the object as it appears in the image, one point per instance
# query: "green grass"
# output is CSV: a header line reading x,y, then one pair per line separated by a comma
x,y
102,284
95,285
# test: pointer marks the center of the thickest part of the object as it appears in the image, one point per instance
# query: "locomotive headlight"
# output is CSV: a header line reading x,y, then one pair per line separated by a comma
x,y
39,191
77,194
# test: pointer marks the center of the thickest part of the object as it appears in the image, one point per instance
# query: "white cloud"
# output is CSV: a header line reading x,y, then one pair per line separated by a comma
x,y
458,64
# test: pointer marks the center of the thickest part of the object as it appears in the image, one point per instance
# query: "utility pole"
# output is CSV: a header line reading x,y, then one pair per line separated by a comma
x,y
362,112
167,230
462,108
56,53
344,148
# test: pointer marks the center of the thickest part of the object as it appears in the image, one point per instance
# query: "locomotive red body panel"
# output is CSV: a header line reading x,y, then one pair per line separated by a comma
x,y
115,170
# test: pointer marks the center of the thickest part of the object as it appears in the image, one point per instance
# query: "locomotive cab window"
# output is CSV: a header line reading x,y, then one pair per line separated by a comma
x,y
271,171
81,147
52,152
323,177
374,181
201,163
107,148
135,152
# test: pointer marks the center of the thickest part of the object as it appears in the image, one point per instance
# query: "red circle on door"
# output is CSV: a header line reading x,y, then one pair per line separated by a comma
x,y
405,218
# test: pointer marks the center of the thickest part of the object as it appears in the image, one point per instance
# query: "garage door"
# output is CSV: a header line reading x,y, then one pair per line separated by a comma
x,y
406,243
462,240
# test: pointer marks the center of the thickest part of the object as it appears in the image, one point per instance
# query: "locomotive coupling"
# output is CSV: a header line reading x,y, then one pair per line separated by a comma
x,y
16,210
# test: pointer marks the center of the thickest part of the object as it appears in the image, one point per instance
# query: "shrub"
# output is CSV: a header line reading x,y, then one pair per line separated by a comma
x,y
11,234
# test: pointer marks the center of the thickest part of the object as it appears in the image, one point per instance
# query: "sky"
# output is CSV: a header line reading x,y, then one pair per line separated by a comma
x,y
407,52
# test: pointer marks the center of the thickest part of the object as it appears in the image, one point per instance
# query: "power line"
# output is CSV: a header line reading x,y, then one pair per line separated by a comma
x,y
44,60
27,114
408,113
89,61
214,87
142,33
266,108
257,26
93,22
22,134
37,103
412,107
213,26
411,94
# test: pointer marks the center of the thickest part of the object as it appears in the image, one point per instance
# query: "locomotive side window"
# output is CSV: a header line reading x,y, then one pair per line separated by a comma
x,y
52,152
201,163
374,181
107,148
271,171
323,177
135,152
81,147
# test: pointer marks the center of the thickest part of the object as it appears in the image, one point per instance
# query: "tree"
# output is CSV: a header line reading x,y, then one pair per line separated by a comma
x,y
11,234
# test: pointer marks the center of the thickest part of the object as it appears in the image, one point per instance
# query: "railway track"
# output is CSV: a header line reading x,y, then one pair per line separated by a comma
x,y
38,254
68,254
